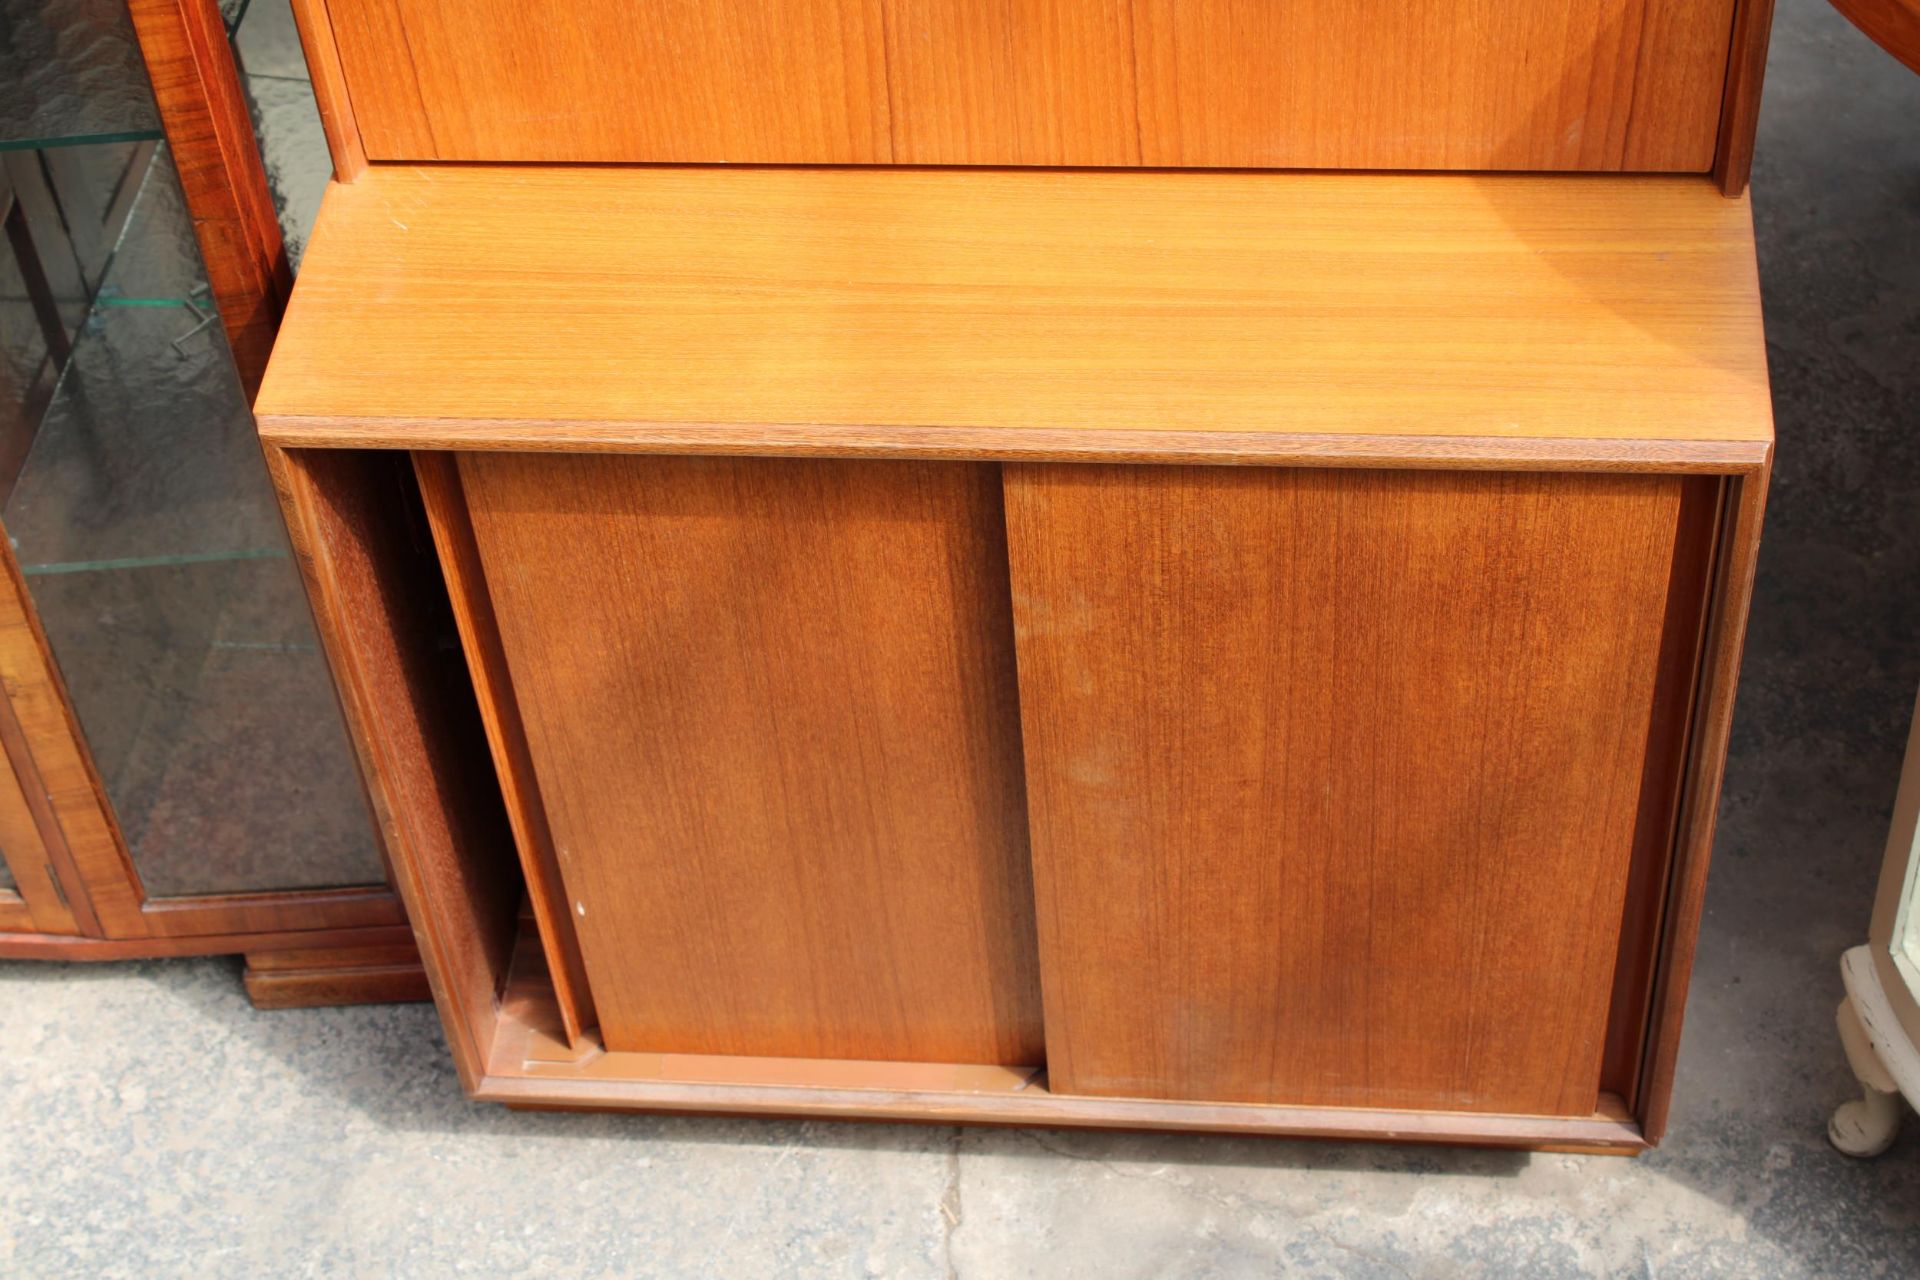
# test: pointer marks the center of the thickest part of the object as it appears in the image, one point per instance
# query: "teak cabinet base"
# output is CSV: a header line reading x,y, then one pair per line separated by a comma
x,y
533,1064
1264,705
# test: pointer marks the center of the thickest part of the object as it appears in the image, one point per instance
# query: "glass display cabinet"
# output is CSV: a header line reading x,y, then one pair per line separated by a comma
x,y
180,779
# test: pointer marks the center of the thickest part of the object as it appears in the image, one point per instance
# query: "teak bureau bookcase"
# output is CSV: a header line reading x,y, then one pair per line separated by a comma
x,y
1171,564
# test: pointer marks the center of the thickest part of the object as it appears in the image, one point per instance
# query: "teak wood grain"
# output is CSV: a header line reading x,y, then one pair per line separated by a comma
x,y
1335,776
771,710
1392,320
1426,84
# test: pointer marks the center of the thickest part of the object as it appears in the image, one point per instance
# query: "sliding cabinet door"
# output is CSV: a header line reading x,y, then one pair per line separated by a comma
x,y
1336,777
769,704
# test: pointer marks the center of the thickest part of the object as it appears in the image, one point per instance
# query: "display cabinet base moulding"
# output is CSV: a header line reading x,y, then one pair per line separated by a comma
x,y
1171,650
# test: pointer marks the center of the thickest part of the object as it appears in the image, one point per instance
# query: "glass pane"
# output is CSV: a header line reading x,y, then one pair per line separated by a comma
x,y
40,310
1906,925
64,209
72,74
143,520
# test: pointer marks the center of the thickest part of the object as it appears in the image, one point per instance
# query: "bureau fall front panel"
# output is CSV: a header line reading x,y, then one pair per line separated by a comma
x,y
1283,785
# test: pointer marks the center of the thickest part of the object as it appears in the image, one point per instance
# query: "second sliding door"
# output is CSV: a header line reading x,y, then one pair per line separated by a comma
x,y
1337,777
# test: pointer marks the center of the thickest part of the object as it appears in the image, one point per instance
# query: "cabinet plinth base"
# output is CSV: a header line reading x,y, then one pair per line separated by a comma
x,y
532,1066
301,979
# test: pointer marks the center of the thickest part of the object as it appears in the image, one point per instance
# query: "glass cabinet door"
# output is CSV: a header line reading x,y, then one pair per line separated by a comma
x,y
133,493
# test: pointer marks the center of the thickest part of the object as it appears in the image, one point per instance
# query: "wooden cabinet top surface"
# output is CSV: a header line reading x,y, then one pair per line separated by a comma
x,y
1468,320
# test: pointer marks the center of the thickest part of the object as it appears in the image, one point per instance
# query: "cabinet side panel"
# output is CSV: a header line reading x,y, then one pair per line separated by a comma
x,y
1669,738
385,622
771,710
1334,776
1732,594
314,21
1740,100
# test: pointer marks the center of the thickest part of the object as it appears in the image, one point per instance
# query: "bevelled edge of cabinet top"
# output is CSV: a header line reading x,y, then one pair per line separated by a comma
x,y
1128,315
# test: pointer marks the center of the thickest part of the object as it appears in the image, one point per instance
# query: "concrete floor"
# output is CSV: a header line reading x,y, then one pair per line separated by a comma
x,y
156,1125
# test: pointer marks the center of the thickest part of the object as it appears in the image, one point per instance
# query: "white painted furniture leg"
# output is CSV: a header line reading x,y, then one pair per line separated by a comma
x,y
1866,1126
